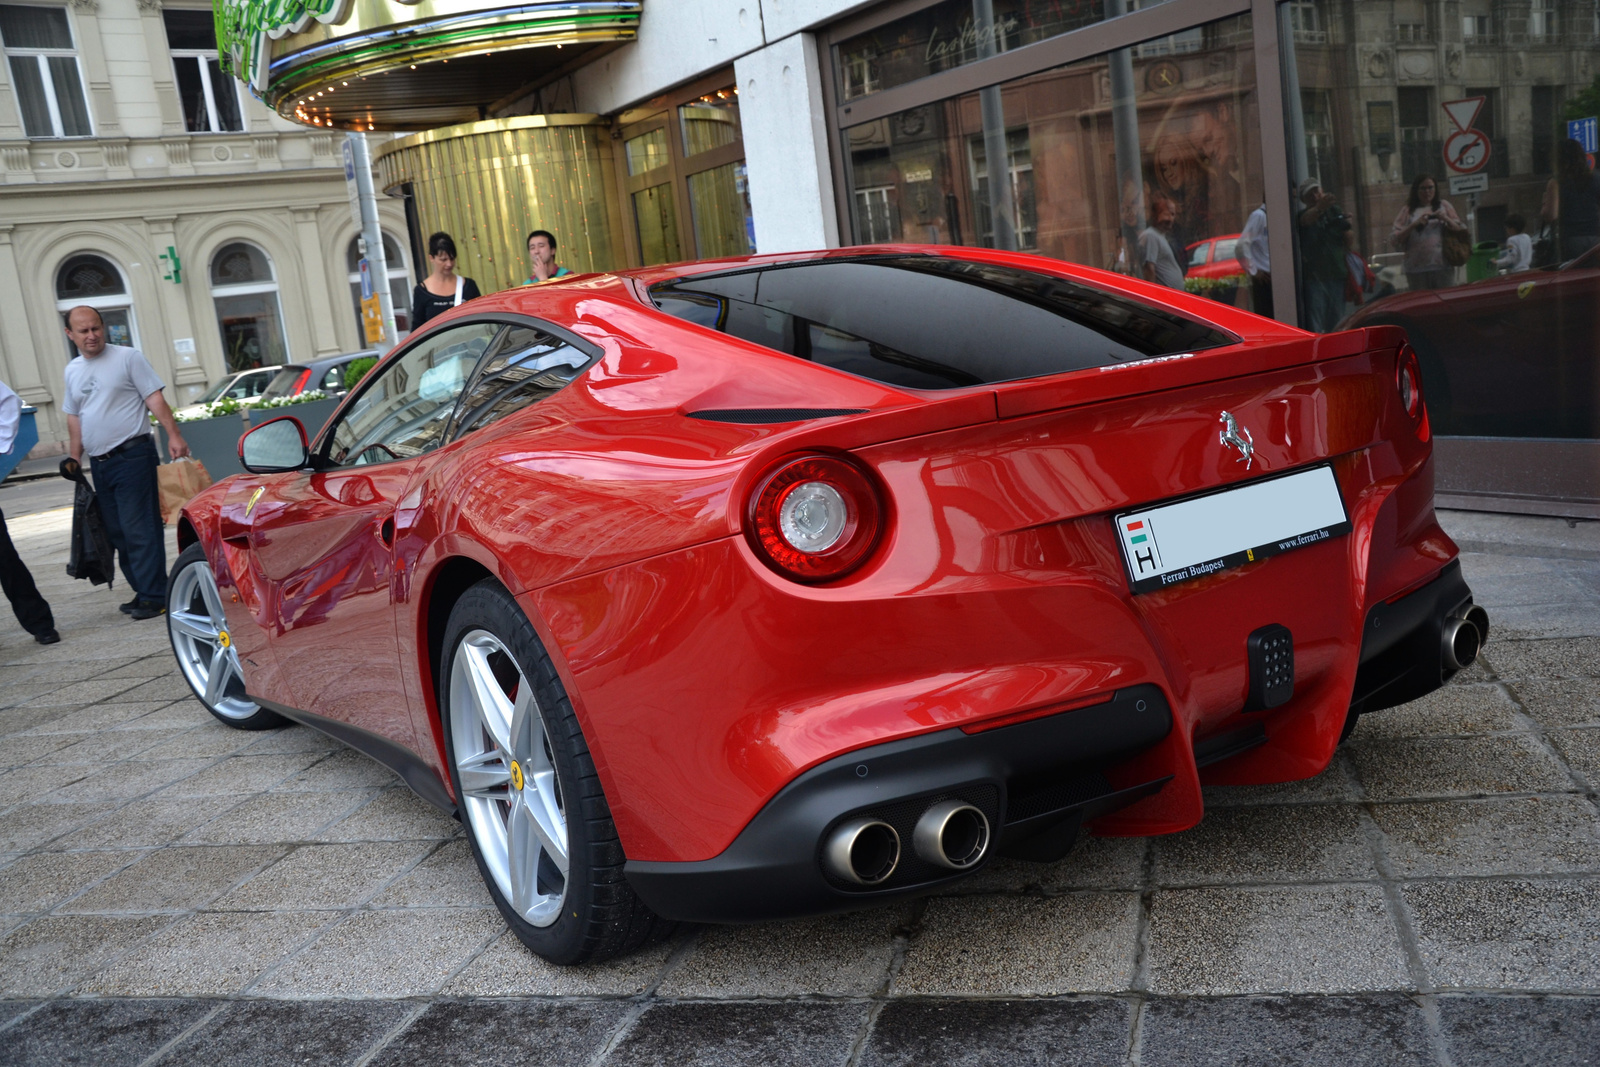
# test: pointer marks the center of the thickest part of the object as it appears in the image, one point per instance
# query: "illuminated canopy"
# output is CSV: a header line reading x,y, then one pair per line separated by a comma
x,y
393,65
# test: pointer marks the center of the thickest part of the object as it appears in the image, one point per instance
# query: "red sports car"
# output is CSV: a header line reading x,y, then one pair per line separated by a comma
x,y
791,584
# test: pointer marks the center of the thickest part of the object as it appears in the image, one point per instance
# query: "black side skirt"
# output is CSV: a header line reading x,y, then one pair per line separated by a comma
x,y
422,779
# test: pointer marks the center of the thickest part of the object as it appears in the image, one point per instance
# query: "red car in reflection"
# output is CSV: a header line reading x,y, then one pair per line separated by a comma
x,y
791,584
1215,257
1508,356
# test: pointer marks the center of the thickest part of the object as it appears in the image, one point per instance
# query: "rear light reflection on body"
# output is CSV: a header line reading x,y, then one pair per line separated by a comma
x,y
815,518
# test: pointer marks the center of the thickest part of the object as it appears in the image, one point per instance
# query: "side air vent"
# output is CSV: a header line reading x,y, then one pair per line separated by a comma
x,y
763,416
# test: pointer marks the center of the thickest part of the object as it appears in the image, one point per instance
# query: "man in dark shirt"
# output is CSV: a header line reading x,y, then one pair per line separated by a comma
x,y
1322,265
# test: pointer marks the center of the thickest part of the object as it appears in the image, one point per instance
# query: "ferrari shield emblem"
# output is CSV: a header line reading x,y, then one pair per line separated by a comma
x,y
251,505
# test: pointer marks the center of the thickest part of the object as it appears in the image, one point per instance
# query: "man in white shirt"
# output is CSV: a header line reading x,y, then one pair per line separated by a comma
x,y
109,390
1253,255
32,610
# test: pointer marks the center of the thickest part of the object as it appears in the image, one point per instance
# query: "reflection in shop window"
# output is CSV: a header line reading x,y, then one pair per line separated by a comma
x,y
1478,29
957,32
719,201
1543,22
710,122
1506,351
1305,16
1126,182
1024,217
244,290
875,208
646,152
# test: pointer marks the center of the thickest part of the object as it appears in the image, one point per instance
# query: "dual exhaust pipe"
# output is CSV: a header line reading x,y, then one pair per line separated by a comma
x,y
866,851
1461,638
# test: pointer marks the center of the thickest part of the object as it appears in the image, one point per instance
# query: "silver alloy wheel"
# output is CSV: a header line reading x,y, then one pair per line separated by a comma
x,y
199,632
510,794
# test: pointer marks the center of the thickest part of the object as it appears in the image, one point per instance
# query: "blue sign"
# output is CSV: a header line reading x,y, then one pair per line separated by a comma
x,y
1585,133
365,271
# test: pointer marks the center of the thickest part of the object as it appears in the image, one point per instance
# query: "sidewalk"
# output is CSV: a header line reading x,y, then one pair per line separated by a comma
x,y
175,892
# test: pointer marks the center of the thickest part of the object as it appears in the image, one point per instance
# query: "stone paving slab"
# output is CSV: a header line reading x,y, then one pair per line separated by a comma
x,y
174,891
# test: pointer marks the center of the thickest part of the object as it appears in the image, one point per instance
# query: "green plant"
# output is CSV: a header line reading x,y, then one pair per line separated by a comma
x,y
356,370
1206,285
1583,104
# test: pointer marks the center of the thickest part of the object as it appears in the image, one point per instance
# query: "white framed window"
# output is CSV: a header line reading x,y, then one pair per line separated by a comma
x,y
244,290
89,280
1542,21
44,71
1305,16
209,97
875,214
399,285
1477,29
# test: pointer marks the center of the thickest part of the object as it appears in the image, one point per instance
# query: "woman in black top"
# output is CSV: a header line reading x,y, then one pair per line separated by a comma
x,y
1572,199
444,288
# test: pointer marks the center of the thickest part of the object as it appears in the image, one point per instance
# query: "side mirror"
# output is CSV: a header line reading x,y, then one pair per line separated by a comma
x,y
274,447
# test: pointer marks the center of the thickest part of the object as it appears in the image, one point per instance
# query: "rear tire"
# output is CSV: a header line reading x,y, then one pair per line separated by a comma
x,y
207,658
538,823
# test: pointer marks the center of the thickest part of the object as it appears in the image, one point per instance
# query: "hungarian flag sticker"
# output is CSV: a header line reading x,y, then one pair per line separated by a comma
x,y
1139,545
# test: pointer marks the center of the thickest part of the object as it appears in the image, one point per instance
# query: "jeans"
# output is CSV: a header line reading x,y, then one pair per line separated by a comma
x,y
31,609
1324,304
130,503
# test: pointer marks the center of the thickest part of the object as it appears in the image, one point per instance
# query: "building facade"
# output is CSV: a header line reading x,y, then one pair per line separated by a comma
x,y
138,178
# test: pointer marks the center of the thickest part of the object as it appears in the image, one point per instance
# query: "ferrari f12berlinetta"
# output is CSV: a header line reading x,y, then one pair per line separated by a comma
x,y
786,585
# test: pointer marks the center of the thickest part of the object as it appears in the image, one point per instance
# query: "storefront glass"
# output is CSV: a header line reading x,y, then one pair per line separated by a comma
x,y
1495,275
1144,161
957,32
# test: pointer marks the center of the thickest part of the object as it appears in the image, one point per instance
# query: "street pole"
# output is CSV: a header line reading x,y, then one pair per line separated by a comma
x,y
365,205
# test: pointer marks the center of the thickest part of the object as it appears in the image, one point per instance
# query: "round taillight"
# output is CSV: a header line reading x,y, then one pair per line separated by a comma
x,y
814,518
1408,380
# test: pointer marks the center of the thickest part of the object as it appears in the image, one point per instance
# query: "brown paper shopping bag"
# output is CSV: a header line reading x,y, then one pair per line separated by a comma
x,y
180,480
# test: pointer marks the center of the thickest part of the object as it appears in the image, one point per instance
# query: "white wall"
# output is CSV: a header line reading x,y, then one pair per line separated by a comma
x,y
786,146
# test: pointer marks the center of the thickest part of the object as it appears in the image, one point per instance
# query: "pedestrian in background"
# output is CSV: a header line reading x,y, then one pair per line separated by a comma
x,y
1419,233
444,288
1572,200
31,609
1157,263
1518,252
542,258
1322,250
111,392
1254,256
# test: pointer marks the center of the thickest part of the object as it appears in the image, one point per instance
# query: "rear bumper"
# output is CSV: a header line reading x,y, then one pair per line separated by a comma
x,y
1036,781
1400,643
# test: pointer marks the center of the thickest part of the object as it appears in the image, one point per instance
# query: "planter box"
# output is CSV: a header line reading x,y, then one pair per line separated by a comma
x,y
312,416
214,442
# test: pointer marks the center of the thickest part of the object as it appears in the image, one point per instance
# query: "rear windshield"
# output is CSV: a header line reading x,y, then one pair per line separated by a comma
x,y
924,322
283,381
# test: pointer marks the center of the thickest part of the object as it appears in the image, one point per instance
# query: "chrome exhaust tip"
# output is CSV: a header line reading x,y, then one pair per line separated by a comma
x,y
862,851
953,834
1479,618
1460,641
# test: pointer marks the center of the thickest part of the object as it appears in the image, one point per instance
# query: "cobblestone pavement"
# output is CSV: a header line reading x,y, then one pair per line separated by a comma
x,y
175,892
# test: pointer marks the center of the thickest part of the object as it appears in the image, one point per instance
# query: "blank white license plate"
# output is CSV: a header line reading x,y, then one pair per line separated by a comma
x,y
1202,535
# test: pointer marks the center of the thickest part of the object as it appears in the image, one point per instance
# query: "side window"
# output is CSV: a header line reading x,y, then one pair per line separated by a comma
x,y
403,411
333,381
526,366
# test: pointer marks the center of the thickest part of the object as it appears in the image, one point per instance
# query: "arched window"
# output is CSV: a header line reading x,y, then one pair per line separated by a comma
x,y
399,284
88,279
245,291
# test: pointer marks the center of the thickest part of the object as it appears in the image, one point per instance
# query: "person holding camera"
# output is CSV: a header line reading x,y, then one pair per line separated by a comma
x,y
1322,256
1419,232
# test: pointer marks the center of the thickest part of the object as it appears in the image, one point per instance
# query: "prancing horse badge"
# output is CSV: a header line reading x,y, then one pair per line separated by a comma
x,y
1238,438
